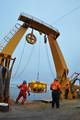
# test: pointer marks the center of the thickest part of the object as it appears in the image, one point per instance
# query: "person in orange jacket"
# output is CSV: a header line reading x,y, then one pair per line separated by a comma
x,y
23,89
56,90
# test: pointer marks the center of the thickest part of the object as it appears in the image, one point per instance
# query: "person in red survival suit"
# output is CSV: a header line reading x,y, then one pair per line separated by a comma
x,y
23,89
56,90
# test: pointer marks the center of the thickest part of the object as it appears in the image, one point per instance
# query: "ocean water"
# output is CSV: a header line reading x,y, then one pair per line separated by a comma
x,y
14,91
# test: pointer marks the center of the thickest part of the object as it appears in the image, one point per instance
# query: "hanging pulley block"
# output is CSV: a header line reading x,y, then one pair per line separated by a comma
x,y
38,87
30,38
45,39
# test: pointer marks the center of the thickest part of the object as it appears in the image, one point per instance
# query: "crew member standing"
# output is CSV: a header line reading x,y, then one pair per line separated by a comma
x,y
56,90
23,89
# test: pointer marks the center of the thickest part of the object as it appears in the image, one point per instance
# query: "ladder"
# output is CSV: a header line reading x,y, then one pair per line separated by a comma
x,y
10,34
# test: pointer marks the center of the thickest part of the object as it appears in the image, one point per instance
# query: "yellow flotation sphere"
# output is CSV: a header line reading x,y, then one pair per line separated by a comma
x,y
39,86
33,81
43,86
35,85
42,82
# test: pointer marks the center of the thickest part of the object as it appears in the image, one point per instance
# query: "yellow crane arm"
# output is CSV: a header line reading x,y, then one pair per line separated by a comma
x,y
7,51
59,62
13,42
5,66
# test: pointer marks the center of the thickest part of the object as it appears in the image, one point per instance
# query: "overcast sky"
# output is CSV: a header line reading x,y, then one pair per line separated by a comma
x,y
61,14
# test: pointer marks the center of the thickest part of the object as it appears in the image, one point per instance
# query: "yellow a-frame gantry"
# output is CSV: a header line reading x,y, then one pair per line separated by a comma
x,y
31,22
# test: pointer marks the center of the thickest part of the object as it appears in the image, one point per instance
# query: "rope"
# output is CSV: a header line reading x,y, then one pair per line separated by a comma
x,y
38,63
26,64
46,49
68,13
18,67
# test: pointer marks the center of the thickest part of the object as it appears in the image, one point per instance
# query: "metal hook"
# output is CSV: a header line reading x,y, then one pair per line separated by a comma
x,y
45,39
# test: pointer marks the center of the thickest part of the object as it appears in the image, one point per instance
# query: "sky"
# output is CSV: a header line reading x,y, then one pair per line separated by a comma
x,y
64,15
